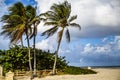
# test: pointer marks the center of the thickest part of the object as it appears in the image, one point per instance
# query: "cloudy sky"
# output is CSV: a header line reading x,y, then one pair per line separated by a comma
x,y
98,42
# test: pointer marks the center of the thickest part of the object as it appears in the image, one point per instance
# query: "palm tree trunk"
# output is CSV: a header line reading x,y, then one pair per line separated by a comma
x,y
34,57
56,55
55,61
34,41
29,56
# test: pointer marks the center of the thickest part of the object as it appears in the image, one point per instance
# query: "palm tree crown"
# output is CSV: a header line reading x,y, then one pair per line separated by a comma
x,y
17,22
59,16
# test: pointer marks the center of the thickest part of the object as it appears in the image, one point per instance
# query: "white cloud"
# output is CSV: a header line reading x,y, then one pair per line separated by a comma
x,y
104,39
4,43
45,45
117,43
88,48
106,15
117,38
103,49
109,47
94,16
44,5
3,8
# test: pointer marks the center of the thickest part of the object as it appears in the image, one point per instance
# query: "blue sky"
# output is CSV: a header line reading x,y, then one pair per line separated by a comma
x,y
98,42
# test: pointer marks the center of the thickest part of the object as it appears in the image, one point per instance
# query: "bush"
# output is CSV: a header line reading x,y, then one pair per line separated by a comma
x,y
16,58
77,70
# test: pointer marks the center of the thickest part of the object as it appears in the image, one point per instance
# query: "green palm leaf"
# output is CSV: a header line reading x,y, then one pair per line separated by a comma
x,y
50,31
50,23
73,18
67,35
75,25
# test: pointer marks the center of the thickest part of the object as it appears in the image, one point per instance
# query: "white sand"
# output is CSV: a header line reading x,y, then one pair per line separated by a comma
x,y
103,74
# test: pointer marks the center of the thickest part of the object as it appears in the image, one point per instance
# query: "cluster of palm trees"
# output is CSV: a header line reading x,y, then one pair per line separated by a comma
x,y
23,21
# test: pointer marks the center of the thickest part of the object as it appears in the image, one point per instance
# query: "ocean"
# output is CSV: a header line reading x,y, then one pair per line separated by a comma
x,y
94,67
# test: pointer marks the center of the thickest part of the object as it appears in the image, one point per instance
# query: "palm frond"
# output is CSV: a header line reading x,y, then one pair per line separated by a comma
x,y
30,12
72,18
43,14
75,25
5,17
17,8
51,23
67,35
50,31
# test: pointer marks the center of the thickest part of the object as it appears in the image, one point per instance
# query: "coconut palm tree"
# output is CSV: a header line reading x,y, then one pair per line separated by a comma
x,y
17,23
59,18
35,21
13,27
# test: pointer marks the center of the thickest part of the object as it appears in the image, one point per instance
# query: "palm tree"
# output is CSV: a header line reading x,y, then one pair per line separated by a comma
x,y
17,23
35,21
12,28
59,17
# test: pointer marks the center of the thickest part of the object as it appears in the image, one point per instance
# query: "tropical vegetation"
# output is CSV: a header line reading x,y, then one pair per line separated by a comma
x,y
16,59
21,24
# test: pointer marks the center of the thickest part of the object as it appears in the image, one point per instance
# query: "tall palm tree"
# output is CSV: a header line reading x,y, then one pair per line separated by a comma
x,y
59,17
17,23
35,21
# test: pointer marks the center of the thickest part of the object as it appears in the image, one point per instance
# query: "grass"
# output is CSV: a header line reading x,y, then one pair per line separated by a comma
x,y
76,71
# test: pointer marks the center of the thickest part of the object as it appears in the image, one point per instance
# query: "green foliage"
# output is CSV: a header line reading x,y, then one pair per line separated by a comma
x,y
16,59
77,70
46,60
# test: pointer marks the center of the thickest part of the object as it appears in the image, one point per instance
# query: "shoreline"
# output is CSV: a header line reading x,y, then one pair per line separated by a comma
x,y
102,67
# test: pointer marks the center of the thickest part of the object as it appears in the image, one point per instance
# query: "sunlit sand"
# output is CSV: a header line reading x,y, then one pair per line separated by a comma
x,y
103,74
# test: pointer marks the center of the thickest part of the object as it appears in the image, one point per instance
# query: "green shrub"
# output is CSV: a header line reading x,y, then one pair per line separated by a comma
x,y
16,58
77,70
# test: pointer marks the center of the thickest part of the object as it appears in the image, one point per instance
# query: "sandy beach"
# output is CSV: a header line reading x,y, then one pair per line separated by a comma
x,y
103,74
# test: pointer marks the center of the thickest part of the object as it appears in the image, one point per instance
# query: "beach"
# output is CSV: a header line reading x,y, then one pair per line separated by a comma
x,y
103,74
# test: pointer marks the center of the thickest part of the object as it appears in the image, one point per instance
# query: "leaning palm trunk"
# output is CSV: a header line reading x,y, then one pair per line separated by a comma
x,y
56,54
34,56
29,56
34,41
55,61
